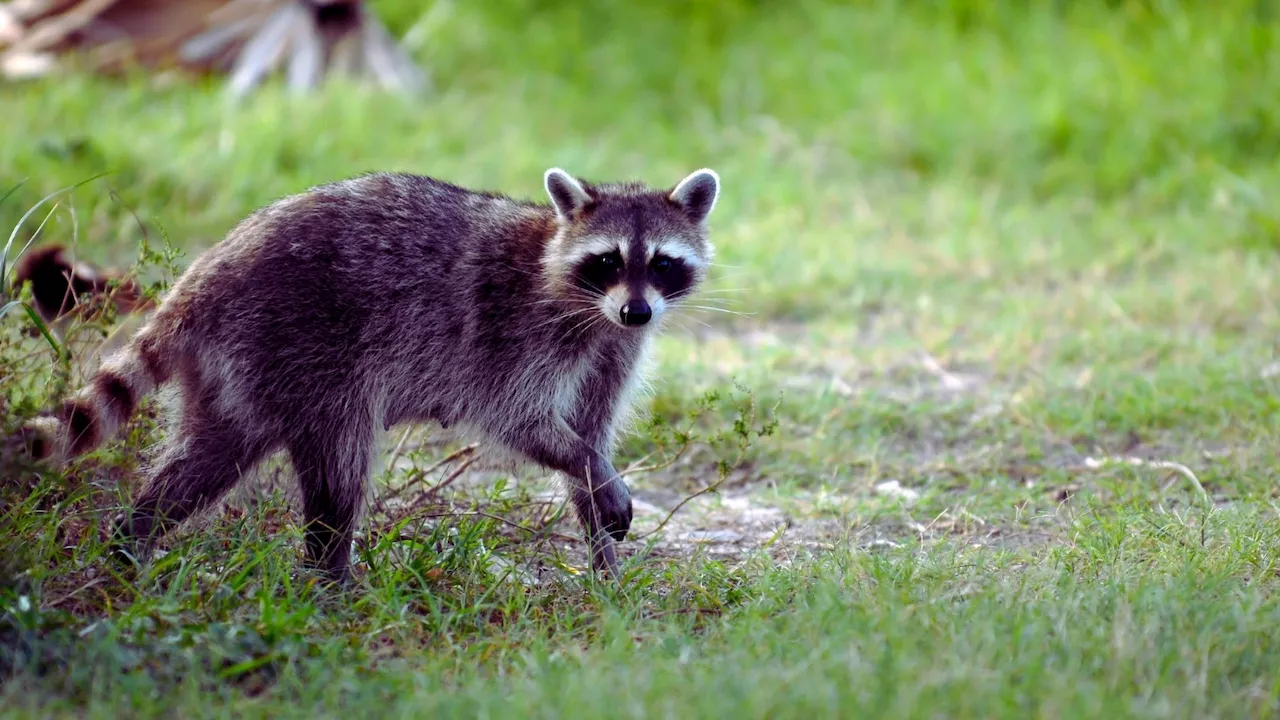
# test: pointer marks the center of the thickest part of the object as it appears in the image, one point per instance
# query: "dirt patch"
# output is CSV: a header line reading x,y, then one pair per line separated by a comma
x,y
727,526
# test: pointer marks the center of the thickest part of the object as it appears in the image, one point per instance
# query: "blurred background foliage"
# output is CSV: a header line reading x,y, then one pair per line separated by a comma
x,y
1167,98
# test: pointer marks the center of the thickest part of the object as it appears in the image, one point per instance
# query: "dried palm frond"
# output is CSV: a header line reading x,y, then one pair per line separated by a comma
x,y
247,39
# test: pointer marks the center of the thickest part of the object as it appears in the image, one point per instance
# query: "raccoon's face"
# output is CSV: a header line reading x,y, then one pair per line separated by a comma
x,y
629,250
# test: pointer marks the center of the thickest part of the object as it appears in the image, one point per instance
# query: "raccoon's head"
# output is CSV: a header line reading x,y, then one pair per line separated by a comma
x,y
629,250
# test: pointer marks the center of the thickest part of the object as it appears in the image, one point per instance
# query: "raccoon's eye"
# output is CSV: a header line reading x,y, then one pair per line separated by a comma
x,y
607,262
661,264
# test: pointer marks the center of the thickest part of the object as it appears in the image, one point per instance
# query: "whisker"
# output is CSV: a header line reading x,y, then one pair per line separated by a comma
x,y
563,316
712,298
705,304
572,312
576,305
692,299
719,309
678,325
585,324
676,319
570,300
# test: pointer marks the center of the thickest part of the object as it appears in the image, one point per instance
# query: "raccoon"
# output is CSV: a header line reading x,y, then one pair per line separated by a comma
x,y
329,316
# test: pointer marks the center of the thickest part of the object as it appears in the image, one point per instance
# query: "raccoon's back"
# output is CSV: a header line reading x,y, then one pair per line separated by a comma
x,y
359,276
357,243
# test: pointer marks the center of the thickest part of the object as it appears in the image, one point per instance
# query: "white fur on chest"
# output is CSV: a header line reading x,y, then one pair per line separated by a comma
x,y
569,384
637,385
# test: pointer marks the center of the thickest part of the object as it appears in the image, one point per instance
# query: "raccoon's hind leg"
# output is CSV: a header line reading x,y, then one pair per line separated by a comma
x,y
332,470
204,459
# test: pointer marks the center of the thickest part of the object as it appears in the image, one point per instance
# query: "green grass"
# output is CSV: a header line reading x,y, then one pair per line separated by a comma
x,y
981,250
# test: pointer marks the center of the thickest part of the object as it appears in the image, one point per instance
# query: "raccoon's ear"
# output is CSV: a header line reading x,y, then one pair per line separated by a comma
x,y
697,193
567,194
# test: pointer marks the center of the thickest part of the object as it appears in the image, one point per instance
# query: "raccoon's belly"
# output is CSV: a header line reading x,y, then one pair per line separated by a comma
x,y
407,413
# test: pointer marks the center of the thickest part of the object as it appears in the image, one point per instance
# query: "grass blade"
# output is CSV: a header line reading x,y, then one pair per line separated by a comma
x,y
4,309
12,190
43,328
4,258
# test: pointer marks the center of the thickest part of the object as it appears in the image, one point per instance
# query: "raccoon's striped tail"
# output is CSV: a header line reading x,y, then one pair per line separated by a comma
x,y
95,414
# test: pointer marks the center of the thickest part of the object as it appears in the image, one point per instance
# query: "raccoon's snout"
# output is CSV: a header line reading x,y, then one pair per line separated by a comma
x,y
636,313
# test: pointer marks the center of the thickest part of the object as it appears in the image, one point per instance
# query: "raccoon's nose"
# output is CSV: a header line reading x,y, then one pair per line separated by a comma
x,y
636,312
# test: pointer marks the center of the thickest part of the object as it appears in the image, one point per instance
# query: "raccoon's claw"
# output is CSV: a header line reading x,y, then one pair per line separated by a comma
x,y
606,517
133,537
618,527
621,534
604,559
614,511
123,548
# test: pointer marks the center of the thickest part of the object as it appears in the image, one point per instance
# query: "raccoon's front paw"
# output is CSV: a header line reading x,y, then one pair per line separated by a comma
x,y
613,508
129,543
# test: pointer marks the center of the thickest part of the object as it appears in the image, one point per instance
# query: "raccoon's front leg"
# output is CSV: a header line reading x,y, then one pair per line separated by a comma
x,y
602,494
599,495
603,504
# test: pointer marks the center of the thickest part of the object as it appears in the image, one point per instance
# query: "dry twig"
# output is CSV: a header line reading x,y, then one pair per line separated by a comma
x,y
1173,467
